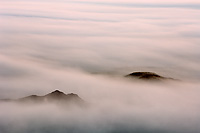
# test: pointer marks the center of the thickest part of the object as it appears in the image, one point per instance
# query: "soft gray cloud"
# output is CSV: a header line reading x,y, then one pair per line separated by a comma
x,y
116,105
144,5
86,47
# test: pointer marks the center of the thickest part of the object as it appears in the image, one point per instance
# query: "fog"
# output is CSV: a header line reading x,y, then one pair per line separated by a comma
x,y
115,105
87,47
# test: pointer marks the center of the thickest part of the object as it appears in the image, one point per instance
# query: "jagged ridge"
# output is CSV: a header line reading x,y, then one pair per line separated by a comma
x,y
56,96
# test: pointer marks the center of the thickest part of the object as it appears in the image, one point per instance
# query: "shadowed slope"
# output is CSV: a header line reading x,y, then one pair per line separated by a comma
x,y
56,97
146,76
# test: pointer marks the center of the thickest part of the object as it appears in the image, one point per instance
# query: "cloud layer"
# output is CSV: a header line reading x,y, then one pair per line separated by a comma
x,y
116,105
102,37
86,47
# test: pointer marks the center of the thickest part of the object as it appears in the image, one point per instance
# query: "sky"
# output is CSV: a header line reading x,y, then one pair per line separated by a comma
x,y
87,46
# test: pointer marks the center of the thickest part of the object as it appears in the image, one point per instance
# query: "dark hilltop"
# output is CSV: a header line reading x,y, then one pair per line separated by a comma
x,y
147,76
55,97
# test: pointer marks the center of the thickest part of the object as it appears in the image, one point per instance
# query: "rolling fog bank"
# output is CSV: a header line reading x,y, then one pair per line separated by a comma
x,y
116,105
87,47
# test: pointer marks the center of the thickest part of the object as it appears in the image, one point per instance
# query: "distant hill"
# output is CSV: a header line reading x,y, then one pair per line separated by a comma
x,y
147,76
55,97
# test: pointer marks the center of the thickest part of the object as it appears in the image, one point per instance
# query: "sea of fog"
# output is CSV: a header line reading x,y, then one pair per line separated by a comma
x,y
87,47
116,105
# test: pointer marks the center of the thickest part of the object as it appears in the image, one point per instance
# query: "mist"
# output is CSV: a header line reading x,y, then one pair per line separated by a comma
x,y
115,105
87,47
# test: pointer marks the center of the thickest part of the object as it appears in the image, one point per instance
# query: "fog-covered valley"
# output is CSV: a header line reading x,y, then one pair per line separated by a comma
x,y
88,48
115,105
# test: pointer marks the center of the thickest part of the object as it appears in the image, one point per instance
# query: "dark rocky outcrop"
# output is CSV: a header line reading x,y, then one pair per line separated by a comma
x,y
55,97
147,76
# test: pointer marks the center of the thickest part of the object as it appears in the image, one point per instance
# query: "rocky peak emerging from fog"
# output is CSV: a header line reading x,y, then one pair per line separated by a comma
x,y
55,97
56,94
146,76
